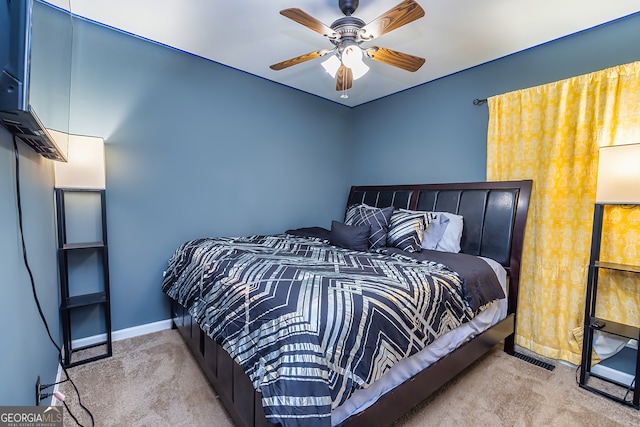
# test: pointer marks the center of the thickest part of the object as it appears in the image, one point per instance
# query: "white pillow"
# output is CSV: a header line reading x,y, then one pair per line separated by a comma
x,y
437,225
450,241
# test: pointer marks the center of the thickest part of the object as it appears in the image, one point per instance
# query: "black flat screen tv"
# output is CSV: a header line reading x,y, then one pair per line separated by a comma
x,y
36,43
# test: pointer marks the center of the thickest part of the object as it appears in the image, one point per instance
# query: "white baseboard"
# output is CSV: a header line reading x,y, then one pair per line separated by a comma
x,y
569,364
54,401
123,333
115,336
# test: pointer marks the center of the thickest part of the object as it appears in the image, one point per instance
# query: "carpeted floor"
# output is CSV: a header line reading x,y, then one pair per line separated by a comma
x,y
153,380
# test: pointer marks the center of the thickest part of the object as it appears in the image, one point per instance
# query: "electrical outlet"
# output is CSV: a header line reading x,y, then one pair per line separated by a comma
x,y
38,391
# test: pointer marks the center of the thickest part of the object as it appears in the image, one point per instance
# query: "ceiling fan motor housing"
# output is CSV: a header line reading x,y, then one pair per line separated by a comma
x,y
349,29
347,26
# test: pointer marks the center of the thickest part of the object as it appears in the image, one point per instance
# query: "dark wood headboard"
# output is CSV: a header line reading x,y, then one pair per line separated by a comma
x,y
494,215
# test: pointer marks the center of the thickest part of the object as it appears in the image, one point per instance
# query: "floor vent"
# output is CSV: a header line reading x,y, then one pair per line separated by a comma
x,y
534,361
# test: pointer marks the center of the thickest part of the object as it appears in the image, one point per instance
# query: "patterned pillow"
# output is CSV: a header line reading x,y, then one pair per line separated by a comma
x,y
444,232
377,218
406,230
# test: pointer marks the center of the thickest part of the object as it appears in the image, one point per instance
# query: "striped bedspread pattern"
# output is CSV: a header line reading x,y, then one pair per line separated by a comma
x,y
310,322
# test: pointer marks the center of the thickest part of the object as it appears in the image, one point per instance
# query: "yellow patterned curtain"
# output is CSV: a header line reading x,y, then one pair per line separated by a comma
x,y
551,134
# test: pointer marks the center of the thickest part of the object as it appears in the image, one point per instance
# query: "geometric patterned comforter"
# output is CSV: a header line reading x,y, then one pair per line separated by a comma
x,y
309,322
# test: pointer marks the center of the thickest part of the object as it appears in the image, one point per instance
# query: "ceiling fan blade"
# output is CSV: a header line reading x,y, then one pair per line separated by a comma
x,y
402,14
297,60
344,78
302,17
395,58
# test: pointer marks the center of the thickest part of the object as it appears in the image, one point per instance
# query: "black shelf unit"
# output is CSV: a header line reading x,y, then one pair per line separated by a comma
x,y
68,302
593,323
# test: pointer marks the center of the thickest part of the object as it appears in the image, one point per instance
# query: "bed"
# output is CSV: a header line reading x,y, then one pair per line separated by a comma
x,y
409,367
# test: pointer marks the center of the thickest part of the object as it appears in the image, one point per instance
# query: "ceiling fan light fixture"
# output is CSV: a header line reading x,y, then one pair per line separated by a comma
x,y
331,65
345,61
359,70
352,58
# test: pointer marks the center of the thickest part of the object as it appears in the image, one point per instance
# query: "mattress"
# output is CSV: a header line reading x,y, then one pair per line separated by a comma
x,y
363,398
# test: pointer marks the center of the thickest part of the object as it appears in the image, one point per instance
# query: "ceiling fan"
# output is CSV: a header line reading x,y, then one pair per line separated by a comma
x,y
348,34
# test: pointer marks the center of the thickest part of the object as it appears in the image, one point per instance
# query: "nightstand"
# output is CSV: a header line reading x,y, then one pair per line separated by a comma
x,y
87,295
593,323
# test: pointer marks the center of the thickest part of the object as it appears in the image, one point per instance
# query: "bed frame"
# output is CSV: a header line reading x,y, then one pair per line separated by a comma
x,y
495,215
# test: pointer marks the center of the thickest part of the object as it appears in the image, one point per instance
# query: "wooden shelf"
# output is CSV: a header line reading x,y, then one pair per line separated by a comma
x,y
84,300
616,266
82,245
615,328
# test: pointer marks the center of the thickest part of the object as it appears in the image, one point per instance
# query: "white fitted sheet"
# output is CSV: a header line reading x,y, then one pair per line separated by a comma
x,y
405,369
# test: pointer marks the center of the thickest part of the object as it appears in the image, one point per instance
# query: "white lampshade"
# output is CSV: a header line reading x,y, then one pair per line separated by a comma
x,y
331,65
359,70
619,175
85,166
352,58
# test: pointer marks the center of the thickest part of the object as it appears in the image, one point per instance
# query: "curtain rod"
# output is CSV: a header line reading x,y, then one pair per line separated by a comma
x,y
479,101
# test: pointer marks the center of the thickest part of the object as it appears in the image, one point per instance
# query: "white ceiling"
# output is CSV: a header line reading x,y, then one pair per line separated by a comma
x,y
250,35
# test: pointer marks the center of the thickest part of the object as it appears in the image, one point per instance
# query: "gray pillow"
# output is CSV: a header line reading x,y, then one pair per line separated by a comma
x,y
450,240
355,237
435,231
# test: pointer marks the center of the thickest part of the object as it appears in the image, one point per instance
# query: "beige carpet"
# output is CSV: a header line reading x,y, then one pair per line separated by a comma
x,y
153,380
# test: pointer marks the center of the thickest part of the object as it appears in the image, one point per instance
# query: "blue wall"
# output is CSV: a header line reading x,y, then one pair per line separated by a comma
x,y
434,133
197,149
193,149
25,349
